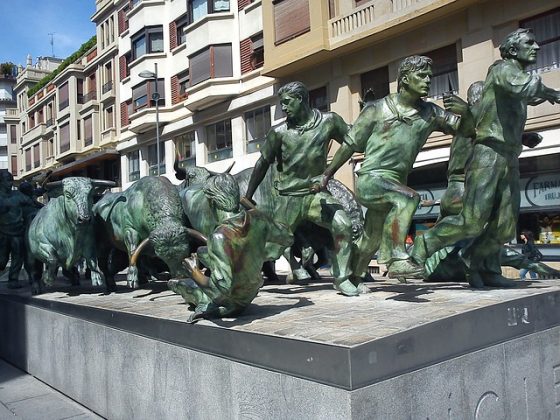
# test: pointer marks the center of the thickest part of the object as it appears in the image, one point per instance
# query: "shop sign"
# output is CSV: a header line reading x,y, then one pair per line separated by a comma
x,y
540,191
429,194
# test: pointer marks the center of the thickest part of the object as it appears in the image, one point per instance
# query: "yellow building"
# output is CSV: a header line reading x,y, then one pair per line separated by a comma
x,y
340,48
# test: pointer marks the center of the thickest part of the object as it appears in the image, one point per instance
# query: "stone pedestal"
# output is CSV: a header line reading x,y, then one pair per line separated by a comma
x,y
419,350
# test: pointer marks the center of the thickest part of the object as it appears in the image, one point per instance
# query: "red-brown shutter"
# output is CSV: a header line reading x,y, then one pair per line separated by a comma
x,y
172,35
246,46
291,18
124,114
175,90
122,21
122,67
241,4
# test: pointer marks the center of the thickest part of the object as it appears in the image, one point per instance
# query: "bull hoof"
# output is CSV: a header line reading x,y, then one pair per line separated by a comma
x,y
97,279
132,277
494,280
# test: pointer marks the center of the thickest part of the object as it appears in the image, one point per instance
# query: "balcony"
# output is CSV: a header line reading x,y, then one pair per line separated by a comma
x,y
90,96
34,133
211,92
107,87
220,154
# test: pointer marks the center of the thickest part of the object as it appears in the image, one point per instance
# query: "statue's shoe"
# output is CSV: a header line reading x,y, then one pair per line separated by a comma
x,y
298,275
14,285
496,280
346,287
406,269
362,288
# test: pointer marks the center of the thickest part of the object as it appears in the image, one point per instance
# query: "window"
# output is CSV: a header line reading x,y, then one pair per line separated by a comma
x,y
64,138
133,165
153,161
13,134
257,56
181,25
444,71
197,9
257,124
88,131
109,118
211,62
63,97
376,80
218,139
50,148
318,98
28,159
108,76
142,94
31,120
36,156
79,91
14,167
185,144
291,19
148,40
547,32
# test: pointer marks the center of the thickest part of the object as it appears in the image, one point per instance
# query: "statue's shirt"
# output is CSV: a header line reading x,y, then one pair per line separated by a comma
x,y
503,109
392,140
301,152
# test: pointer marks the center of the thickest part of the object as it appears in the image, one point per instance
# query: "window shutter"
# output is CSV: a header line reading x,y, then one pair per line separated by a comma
x,y
291,18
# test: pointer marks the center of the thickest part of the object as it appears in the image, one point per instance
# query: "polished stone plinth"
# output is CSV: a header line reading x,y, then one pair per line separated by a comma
x,y
418,350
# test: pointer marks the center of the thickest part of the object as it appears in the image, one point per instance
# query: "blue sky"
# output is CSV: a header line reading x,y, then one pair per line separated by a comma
x,y
26,24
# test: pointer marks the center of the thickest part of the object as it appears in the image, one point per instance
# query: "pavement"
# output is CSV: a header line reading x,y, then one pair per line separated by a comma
x,y
23,396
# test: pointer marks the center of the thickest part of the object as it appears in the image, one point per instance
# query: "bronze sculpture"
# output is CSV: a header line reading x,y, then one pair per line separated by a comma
x,y
299,149
236,250
491,201
391,132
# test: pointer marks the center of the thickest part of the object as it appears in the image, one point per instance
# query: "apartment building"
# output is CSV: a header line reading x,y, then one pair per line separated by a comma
x,y
214,105
341,48
7,102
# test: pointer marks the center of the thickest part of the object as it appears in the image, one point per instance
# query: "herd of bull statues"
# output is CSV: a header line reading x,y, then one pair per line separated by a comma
x,y
215,243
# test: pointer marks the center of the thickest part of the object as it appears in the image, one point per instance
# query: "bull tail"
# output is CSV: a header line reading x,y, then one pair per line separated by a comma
x,y
138,250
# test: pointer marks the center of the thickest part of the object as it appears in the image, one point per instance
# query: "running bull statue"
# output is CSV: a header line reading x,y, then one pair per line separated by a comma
x,y
61,234
147,218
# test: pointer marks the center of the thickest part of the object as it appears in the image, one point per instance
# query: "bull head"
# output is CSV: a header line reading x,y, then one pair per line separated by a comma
x,y
77,194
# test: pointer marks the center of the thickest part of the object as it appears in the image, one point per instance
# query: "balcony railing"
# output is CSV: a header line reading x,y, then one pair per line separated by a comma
x,y
358,20
220,154
188,162
63,104
49,122
107,86
254,145
153,170
90,96
88,141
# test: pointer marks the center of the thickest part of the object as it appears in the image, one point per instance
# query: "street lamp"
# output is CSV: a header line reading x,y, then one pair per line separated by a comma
x,y
153,75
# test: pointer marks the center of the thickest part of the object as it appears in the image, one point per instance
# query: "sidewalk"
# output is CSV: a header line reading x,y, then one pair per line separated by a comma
x,y
24,397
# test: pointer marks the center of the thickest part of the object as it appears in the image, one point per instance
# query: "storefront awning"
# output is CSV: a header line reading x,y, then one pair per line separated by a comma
x,y
86,161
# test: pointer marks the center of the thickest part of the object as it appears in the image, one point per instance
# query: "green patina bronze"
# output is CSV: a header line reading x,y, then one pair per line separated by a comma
x,y
16,212
299,148
236,250
391,132
491,199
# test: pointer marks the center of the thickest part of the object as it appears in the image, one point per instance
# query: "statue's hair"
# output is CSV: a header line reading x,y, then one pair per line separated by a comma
x,y
512,41
474,93
295,88
410,64
223,192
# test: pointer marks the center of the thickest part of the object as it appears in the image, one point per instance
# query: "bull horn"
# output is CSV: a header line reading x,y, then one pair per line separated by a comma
x,y
53,184
103,183
227,171
134,257
180,173
196,234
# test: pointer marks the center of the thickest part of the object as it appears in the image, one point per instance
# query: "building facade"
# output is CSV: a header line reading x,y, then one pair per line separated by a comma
x,y
344,47
214,105
8,126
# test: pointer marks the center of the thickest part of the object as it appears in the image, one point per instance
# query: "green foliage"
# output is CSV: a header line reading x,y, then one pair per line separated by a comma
x,y
86,46
7,69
